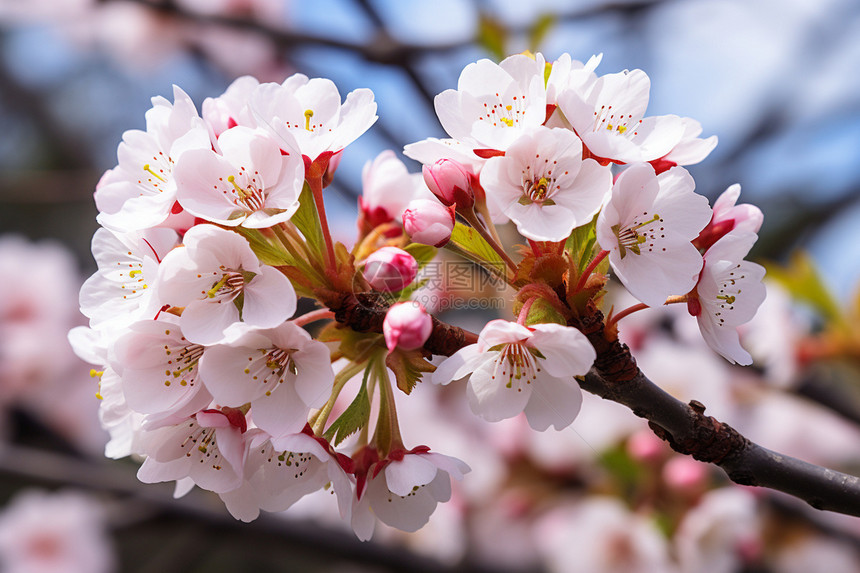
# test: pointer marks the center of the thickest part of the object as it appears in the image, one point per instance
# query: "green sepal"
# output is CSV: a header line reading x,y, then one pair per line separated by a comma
x,y
408,367
543,312
267,252
581,243
469,240
306,219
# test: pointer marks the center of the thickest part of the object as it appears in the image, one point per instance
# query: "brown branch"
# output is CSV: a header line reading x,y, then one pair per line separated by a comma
x,y
685,427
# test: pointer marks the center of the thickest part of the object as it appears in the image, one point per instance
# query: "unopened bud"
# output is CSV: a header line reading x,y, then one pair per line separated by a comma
x,y
450,182
685,475
428,222
407,325
390,269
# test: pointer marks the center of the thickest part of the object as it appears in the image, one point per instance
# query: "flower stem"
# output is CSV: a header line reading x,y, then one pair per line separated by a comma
x,y
471,217
318,421
313,316
524,311
297,251
316,185
641,306
583,278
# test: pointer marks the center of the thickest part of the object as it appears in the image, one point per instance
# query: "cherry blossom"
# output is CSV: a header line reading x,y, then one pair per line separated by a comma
x,y
282,372
386,188
728,293
543,185
230,108
141,192
309,112
513,368
249,184
280,471
208,447
690,150
121,291
608,117
648,226
403,490
429,222
494,102
159,369
220,282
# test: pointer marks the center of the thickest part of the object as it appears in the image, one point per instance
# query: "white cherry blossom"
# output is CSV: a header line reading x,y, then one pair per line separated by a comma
x,y
405,492
250,183
387,187
220,282
280,471
729,292
159,369
513,368
494,102
230,108
543,185
282,372
309,112
208,447
121,292
608,117
141,192
648,226
691,149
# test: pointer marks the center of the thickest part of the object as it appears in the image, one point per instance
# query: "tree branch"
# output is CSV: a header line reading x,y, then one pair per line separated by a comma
x,y
685,427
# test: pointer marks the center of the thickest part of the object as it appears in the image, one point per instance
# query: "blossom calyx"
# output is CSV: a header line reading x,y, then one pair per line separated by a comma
x,y
428,222
450,182
390,269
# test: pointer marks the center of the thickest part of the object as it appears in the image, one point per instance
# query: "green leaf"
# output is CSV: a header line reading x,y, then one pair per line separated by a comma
x,y
580,244
354,418
469,240
266,251
801,279
539,30
542,312
306,219
492,36
422,254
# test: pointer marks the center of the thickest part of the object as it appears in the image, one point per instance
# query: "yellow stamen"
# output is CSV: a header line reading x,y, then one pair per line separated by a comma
x,y
508,122
96,373
153,173
242,193
132,274
730,299
622,129
214,290
309,113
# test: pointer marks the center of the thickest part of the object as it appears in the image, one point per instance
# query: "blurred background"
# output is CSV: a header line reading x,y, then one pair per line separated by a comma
x,y
776,81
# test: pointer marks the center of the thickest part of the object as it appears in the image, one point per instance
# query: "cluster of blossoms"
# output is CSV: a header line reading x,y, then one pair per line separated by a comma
x,y
214,224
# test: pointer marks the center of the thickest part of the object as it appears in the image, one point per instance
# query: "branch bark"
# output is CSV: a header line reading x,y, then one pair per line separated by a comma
x,y
685,427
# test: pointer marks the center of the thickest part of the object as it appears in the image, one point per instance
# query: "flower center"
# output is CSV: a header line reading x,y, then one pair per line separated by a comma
x,y
156,173
630,239
518,363
729,293
278,362
250,197
501,114
182,363
607,119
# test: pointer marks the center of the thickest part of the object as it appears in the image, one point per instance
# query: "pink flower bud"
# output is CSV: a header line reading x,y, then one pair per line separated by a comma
x,y
390,269
450,182
428,222
407,325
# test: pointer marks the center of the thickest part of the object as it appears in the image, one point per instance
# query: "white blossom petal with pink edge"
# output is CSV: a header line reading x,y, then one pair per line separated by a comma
x,y
608,117
208,448
279,472
159,369
537,183
691,149
282,372
493,102
729,292
121,292
140,192
249,184
387,187
509,372
569,74
406,492
746,218
647,226
208,276
230,108
309,112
